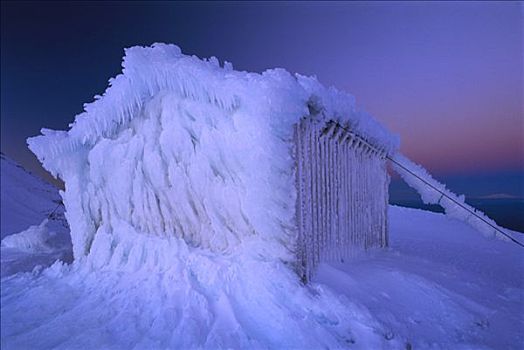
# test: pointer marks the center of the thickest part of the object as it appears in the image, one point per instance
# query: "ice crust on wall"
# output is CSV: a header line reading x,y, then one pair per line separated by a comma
x,y
429,195
179,147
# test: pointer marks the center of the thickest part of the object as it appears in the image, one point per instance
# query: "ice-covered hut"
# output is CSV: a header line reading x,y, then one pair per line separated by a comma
x,y
180,148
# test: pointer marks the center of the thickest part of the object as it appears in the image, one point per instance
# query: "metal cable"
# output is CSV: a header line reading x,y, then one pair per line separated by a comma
x,y
54,210
454,201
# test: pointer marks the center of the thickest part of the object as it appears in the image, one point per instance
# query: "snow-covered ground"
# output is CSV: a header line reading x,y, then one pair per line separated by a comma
x,y
439,285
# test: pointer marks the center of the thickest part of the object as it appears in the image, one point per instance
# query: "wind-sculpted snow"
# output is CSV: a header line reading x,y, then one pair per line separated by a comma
x,y
433,192
439,286
178,297
181,147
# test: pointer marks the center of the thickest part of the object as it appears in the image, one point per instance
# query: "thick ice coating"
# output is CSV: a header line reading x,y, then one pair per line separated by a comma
x,y
182,147
433,192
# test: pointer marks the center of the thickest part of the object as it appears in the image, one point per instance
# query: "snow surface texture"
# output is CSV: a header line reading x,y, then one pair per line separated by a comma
x,y
181,147
440,285
431,195
32,205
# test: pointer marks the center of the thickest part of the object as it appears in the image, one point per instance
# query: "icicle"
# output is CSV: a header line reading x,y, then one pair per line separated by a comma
x,y
336,237
328,166
330,129
310,245
347,200
343,199
298,208
322,193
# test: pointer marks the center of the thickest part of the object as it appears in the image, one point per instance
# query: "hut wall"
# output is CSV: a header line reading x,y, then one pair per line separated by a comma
x,y
342,194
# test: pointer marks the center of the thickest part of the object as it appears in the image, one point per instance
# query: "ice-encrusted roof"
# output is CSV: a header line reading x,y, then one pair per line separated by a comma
x,y
148,71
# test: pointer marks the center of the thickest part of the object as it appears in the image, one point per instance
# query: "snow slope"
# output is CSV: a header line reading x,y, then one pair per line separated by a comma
x,y
440,285
29,237
25,199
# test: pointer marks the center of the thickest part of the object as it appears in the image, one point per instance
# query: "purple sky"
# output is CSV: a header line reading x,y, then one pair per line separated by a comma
x,y
447,77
